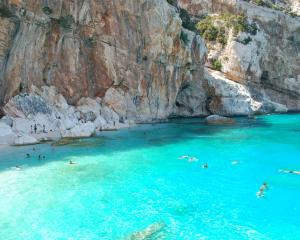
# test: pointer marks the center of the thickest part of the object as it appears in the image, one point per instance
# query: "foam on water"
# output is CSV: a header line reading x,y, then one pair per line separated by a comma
x,y
133,182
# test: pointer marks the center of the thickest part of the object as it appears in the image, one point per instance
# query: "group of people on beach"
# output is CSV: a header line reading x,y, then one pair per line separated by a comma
x,y
34,129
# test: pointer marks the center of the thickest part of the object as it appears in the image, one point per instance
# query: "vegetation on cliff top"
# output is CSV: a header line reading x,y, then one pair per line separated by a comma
x,y
5,12
274,5
217,27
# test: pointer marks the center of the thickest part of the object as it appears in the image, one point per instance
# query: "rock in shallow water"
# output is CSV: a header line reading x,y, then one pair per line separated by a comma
x,y
219,120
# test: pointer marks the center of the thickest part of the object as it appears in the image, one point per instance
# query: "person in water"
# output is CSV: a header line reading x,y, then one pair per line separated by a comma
x,y
28,155
193,159
289,171
205,165
262,190
71,162
40,157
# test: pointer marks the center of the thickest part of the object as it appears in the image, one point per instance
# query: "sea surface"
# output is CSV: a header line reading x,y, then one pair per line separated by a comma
x,y
135,184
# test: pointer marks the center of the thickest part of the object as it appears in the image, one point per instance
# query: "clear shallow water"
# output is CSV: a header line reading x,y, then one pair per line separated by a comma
x,y
127,180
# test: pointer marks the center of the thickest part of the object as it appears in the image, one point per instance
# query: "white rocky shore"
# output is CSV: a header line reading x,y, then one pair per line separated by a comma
x,y
44,115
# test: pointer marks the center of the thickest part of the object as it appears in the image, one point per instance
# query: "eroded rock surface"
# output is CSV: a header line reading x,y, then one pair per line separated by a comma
x,y
75,67
130,53
265,60
44,115
219,120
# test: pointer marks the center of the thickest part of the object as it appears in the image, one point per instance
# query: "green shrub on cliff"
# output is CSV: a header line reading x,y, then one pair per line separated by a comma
x,y
184,38
172,2
47,10
216,28
5,12
282,6
187,22
90,42
216,64
66,22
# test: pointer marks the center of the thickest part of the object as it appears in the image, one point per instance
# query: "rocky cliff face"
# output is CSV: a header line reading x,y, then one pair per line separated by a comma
x,y
265,61
130,53
139,58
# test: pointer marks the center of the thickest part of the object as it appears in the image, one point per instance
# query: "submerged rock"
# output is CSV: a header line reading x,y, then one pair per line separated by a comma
x,y
219,120
149,233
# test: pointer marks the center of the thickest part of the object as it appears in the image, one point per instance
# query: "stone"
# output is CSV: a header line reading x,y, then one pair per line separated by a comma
x,y
219,120
81,130
23,125
25,140
151,232
7,120
7,136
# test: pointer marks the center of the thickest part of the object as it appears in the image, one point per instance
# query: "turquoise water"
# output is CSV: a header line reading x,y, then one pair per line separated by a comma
x,y
128,180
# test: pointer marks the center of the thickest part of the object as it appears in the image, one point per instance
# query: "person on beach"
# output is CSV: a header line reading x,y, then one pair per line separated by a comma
x,y
289,171
44,129
35,128
262,190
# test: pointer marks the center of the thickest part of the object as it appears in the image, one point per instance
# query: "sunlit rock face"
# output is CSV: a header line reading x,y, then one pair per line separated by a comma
x,y
129,53
269,63
137,60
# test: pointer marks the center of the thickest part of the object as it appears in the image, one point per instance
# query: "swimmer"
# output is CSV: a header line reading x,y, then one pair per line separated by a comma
x,y
235,162
184,157
262,189
193,159
17,167
72,163
28,155
289,171
205,165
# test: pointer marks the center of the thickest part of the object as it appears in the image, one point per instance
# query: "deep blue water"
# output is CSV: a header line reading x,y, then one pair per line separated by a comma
x,y
129,180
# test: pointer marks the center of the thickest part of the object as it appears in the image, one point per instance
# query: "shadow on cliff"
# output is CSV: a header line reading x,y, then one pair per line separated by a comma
x,y
142,136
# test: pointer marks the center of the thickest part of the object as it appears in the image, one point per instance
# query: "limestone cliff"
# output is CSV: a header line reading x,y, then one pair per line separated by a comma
x,y
145,59
259,49
134,54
